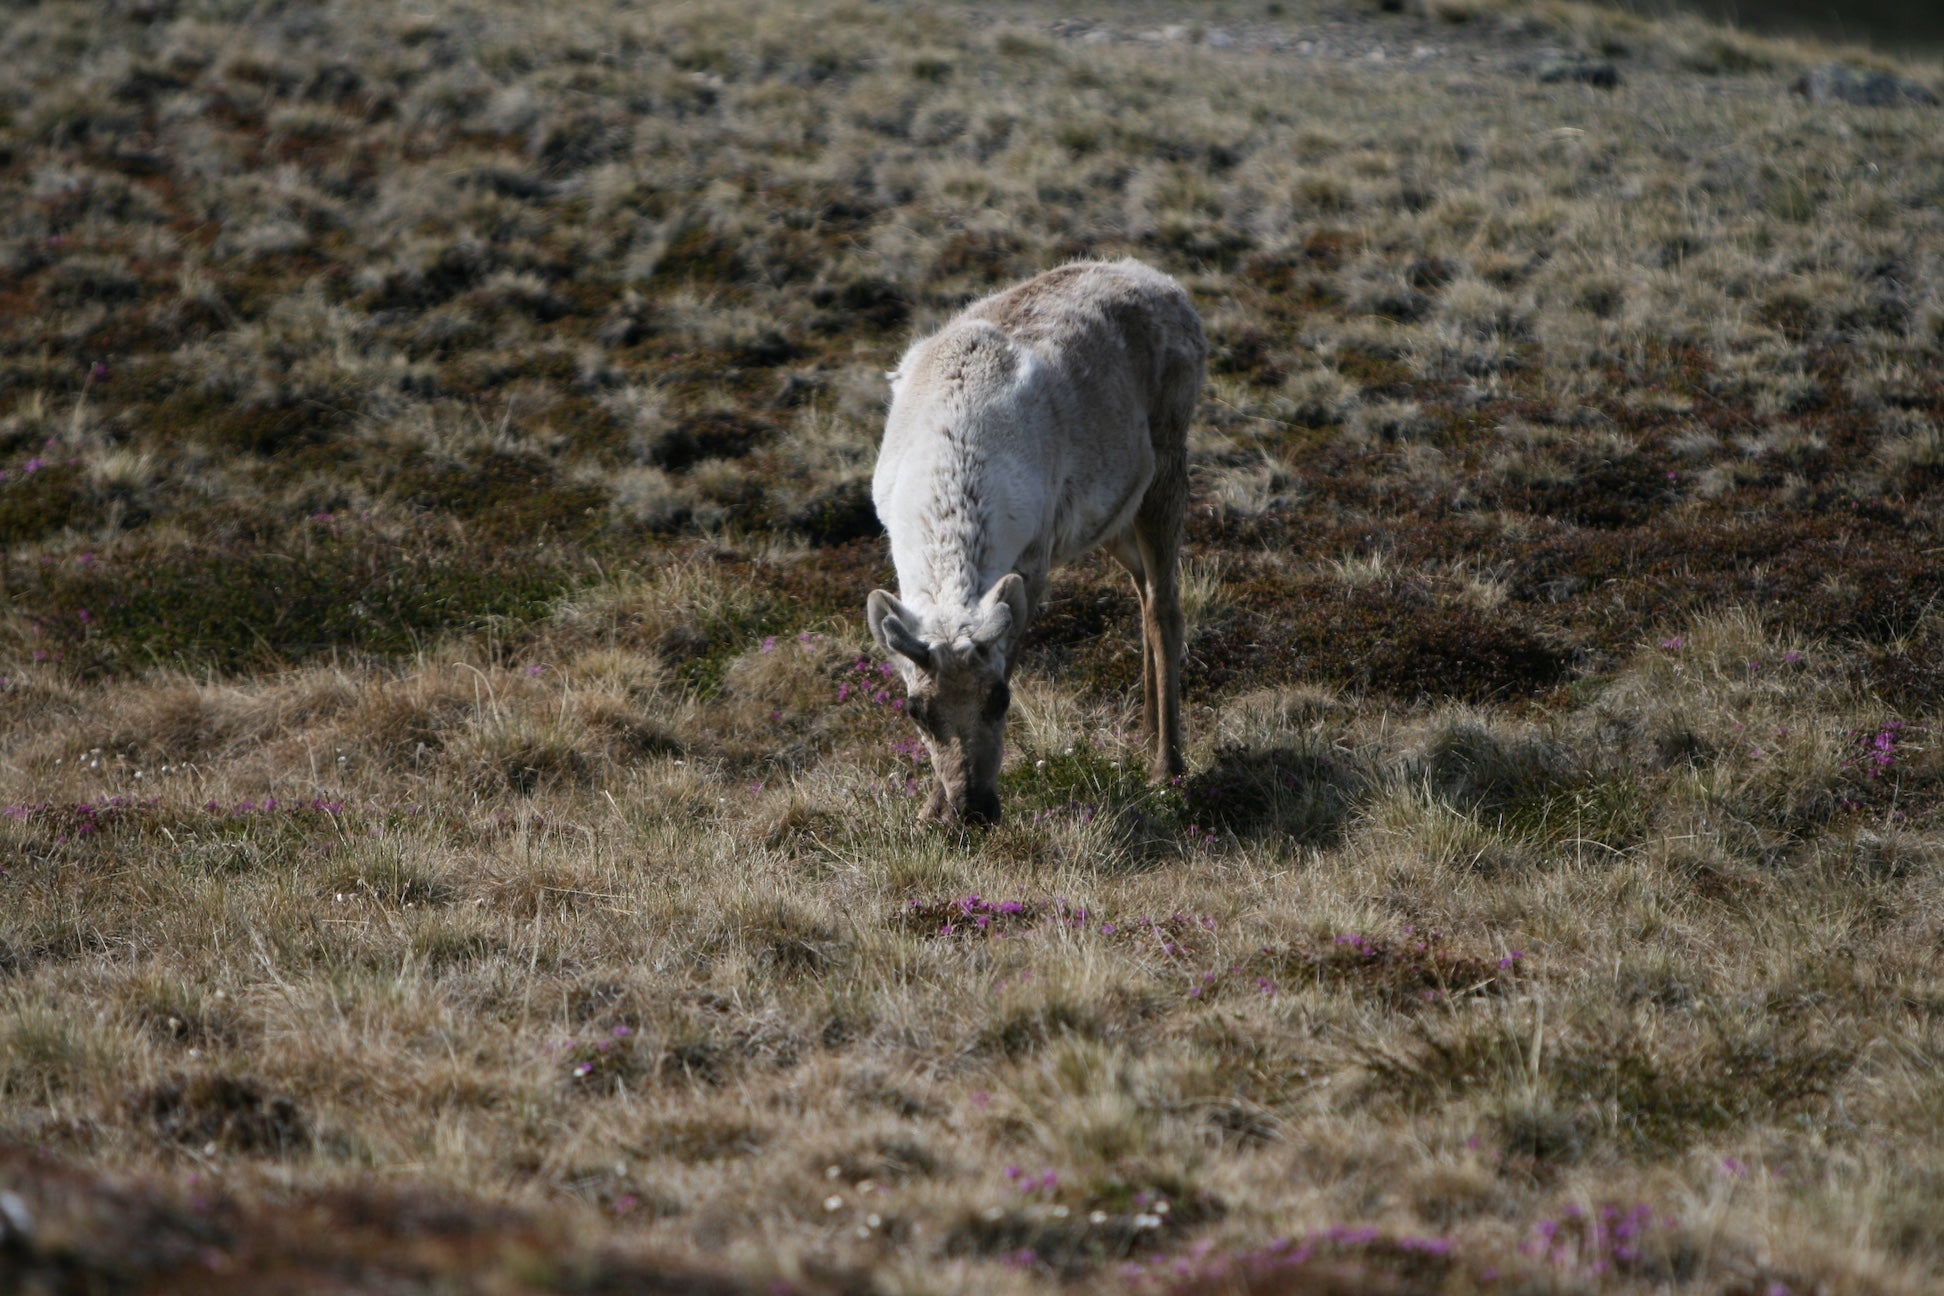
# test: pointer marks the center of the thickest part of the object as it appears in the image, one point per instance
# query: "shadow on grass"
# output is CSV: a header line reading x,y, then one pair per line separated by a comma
x,y
1302,793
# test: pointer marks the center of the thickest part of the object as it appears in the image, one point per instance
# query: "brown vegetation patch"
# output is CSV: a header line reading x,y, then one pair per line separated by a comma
x,y
1404,642
711,434
1407,973
514,496
1109,1222
1595,490
92,1232
229,1112
1826,575
436,689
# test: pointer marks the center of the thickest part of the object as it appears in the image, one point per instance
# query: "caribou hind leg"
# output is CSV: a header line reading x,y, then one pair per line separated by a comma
x,y
1127,552
1157,530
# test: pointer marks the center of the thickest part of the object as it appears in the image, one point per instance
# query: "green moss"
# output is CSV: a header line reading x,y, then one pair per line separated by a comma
x,y
1607,815
511,496
313,589
1081,775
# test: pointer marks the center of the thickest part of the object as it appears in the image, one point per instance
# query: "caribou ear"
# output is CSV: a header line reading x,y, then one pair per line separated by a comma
x,y
1002,610
891,623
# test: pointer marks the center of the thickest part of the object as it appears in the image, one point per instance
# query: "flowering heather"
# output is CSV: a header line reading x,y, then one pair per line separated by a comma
x,y
871,682
1608,1239
1026,1181
1169,936
1340,1252
608,1058
1879,754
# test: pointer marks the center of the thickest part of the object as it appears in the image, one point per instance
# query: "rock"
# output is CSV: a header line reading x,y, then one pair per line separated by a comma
x,y
1841,83
1601,76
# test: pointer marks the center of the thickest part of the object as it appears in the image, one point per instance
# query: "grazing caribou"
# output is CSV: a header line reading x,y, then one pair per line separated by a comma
x,y
1038,424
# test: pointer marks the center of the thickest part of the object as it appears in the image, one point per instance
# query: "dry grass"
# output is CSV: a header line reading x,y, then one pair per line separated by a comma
x,y
447,784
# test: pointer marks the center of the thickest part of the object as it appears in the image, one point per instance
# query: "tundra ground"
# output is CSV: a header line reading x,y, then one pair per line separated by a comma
x,y
457,836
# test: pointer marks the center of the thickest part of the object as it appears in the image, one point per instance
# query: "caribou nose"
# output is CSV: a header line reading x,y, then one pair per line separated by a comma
x,y
972,809
981,809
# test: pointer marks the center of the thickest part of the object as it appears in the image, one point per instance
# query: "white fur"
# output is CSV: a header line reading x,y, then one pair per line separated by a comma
x,y
1018,436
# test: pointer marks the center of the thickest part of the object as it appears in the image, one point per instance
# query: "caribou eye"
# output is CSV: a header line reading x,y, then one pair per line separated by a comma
x,y
996,703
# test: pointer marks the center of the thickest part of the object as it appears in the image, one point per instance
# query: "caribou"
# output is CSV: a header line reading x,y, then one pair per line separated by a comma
x,y
1037,425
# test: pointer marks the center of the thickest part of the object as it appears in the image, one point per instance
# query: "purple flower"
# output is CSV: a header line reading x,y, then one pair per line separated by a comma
x,y
1675,644
98,371
769,643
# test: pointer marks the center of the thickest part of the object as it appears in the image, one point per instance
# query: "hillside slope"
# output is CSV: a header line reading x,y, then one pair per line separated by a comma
x,y
445,775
